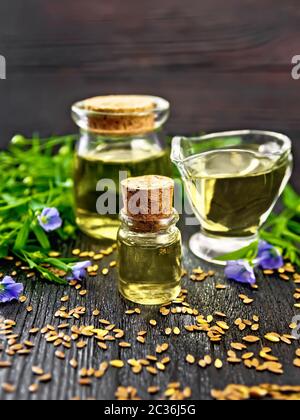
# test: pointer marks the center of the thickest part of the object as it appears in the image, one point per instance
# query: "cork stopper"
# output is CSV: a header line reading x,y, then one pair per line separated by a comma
x,y
147,201
120,114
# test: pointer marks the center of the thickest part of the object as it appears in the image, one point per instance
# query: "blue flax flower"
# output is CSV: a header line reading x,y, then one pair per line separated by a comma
x,y
79,270
269,257
50,219
10,290
240,271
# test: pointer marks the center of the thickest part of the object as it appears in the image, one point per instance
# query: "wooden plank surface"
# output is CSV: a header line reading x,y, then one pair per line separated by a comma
x,y
273,303
221,66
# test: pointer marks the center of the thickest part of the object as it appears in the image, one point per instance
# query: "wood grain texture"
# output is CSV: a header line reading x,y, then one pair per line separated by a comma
x,y
221,66
273,303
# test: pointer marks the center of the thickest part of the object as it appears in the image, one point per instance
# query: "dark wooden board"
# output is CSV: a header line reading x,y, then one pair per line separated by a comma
x,y
223,66
273,303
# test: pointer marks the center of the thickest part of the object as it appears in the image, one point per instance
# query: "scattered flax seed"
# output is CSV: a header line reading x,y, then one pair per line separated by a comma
x,y
8,388
23,299
273,337
127,394
223,325
246,300
81,344
83,292
151,370
33,389
202,364
124,345
96,312
221,287
152,390
130,312
160,366
297,362
64,299
251,339
5,365
117,364
176,331
45,378
76,252
220,314
190,359
243,393
218,364
54,254
113,264
37,370
247,356
85,382
153,323
105,271
168,331
74,363
141,339
208,360
29,309
60,355
255,327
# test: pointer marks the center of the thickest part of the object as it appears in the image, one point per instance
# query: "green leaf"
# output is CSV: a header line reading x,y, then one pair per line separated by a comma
x,y
23,234
41,237
247,253
291,199
55,262
3,251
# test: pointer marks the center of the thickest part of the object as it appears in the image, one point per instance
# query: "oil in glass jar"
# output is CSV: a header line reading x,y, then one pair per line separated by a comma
x,y
119,135
149,243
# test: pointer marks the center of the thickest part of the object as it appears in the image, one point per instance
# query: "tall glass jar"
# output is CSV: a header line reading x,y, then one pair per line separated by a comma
x,y
119,138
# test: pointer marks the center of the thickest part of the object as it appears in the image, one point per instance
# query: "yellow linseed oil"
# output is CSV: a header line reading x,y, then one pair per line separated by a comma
x,y
102,163
233,191
150,271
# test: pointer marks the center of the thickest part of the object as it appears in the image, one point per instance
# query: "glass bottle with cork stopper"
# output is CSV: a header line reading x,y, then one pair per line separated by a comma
x,y
119,138
149,243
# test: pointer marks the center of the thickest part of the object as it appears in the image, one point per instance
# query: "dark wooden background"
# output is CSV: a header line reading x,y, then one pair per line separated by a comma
x,y
222,65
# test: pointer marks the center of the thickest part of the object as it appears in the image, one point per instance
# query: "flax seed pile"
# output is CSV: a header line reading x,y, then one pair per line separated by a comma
x,y
67,334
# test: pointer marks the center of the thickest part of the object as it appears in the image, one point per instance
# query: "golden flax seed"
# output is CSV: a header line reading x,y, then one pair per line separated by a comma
x,y
117,364
124,345
33,388
37,370
45,378
152,390
251,339
190,359
297,362
8,388
272,337
218,364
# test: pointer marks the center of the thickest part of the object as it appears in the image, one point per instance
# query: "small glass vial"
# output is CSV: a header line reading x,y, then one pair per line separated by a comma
x,y
120,137
149,243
